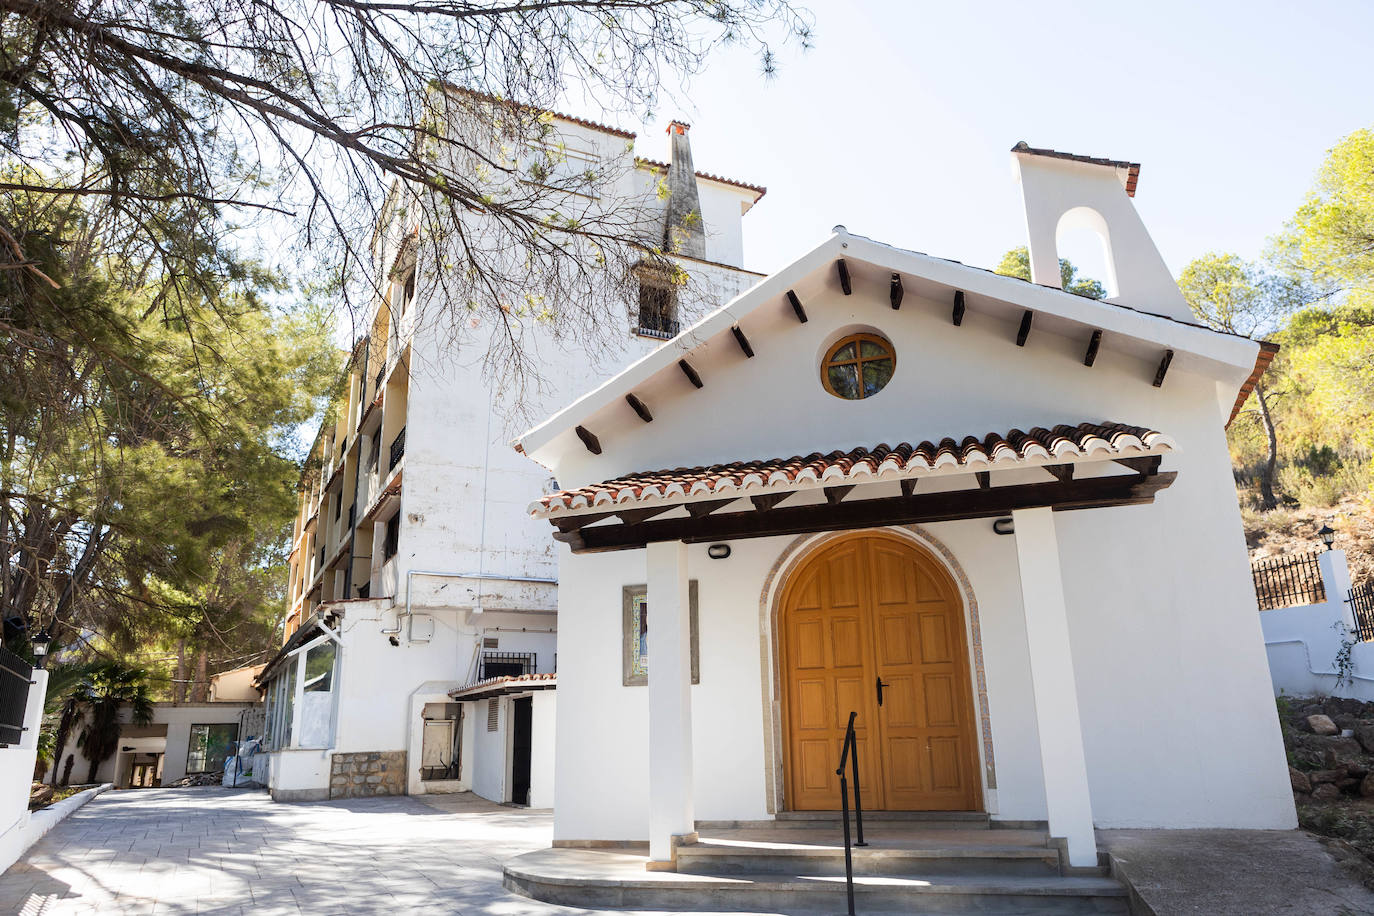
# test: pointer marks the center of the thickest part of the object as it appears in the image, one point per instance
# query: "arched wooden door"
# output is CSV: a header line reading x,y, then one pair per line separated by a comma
x,y
864,609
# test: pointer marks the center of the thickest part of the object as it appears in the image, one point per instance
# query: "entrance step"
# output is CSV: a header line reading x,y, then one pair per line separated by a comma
x,y
599,878
959,817
718,858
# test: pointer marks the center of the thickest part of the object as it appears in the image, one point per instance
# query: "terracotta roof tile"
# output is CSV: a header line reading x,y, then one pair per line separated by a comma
x,y
506,683
663,167
1039,446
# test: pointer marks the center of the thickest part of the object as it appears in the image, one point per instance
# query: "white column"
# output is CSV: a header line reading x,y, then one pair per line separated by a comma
x,y
1052,680
671,811
1336,579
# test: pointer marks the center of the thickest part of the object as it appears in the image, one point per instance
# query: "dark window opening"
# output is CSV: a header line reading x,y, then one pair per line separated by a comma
x,y
504,664
393,537
657,309
210,747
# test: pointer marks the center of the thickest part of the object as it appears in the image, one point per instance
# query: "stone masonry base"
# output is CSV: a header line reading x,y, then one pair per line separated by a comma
x,y
367,774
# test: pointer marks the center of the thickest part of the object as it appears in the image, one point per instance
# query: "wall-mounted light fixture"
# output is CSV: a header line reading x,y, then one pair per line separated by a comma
x,y
1004,526
718,551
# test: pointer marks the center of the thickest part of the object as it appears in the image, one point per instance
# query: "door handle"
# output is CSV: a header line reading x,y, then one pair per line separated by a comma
x,y
881,685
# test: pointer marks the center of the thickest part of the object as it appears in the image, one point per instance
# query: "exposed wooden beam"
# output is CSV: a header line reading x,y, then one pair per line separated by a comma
x,y
1062,472
1087,493
1145,465
1163,367
593,444
843,268
908,486
573,522
635,516
797,306
742,341
638,407
958,307
1024,331
705,508
895,291
768,500
984,479
836,495
1093,343
691,373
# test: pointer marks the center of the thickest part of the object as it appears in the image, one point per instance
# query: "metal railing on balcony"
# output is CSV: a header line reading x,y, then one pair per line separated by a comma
x,y
16,676
398,449
653,323
1288,581
377,382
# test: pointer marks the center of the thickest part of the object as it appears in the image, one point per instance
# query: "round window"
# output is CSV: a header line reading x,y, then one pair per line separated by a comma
x,y
858,366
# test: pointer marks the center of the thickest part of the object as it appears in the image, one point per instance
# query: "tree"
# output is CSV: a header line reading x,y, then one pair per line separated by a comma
x,y
1332,234
1229,294
109,688
199,123
139,446
1016,263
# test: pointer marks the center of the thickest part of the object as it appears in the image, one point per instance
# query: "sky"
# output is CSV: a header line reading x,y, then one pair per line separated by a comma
x,y
899,122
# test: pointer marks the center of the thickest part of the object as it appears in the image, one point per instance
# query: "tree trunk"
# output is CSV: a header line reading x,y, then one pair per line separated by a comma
x,y
200,689
1268,501
179,684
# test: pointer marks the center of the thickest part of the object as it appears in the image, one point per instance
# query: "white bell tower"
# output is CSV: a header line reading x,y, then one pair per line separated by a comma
x,y
1065,191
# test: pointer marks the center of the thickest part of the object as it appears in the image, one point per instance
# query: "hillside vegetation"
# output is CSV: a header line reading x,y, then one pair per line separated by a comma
x,y
1303,447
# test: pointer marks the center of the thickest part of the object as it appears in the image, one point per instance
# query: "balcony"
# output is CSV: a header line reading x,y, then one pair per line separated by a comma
x,y
398,449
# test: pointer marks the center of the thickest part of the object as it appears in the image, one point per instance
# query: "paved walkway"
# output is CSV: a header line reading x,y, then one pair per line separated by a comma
x,y
186,851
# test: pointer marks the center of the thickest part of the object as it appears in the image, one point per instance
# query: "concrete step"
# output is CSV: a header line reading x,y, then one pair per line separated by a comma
x,y
962,820
710,857
588,879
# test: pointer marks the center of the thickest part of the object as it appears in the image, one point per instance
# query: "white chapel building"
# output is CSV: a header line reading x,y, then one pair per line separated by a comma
x,y
991,521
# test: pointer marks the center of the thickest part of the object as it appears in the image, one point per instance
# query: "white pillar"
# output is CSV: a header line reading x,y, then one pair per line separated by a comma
x,y
671,811
1052,681
1336,580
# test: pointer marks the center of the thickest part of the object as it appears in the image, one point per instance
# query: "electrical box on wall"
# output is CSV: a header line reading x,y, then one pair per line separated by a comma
x,y
421,628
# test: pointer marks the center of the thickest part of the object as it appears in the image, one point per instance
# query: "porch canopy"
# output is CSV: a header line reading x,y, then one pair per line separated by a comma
x,y
1090,465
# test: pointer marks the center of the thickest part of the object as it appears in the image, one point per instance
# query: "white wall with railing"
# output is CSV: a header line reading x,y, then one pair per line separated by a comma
x,y
1315,649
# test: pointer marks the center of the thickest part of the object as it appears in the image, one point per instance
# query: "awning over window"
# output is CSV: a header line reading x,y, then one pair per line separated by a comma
x,y
504,685
700,493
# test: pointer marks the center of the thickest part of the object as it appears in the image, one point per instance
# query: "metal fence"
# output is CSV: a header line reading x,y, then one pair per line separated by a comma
x,y
1361,601
497,664
16,676
1287,581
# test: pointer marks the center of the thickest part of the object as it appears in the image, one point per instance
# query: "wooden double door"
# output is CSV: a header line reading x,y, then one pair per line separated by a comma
x,y
873,624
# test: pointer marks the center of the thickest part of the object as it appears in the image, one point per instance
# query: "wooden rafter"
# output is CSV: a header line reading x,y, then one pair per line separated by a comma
x,y
592,443
958,307
692,375
1024,331
1163,367
639,408
796,306
1091,356
895,291
743,341
843,268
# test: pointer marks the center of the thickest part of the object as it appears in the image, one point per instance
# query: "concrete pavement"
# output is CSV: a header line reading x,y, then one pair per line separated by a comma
x,y
210,850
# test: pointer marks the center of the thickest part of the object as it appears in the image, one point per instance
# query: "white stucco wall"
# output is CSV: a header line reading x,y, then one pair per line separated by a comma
x,y
1160,604
543,748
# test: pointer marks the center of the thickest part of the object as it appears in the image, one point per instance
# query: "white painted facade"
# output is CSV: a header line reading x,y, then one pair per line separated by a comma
x,y
470,574
1101,628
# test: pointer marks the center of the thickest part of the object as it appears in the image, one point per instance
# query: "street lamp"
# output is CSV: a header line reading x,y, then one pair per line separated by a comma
x,y
40,648
1328,536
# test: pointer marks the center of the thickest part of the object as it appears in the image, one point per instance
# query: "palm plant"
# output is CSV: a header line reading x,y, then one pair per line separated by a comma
x,y
110,686
66,701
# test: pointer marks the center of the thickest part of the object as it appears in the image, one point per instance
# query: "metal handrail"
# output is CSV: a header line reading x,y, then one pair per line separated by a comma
x,y
850,753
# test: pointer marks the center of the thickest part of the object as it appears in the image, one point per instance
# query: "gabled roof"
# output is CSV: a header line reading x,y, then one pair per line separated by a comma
x,y
1132,168
1131,329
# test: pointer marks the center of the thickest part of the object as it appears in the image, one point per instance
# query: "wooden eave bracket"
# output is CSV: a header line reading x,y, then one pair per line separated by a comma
x,y
796,306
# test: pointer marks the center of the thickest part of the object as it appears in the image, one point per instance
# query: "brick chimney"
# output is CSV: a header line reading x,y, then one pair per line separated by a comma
x,y
683,230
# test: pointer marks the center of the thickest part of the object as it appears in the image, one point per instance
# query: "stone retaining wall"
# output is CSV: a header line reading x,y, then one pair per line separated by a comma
x,y
368,773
